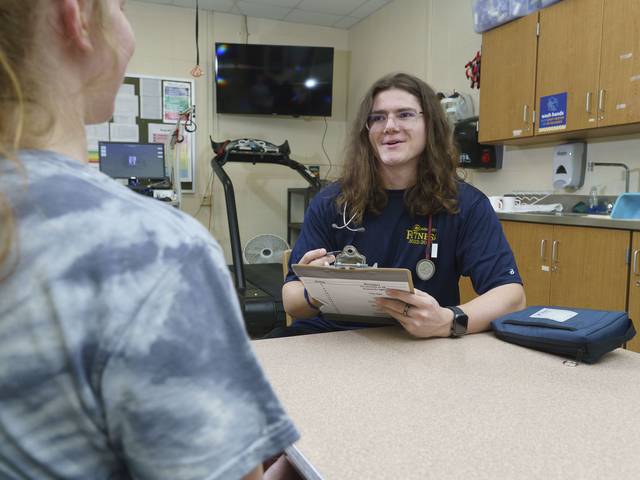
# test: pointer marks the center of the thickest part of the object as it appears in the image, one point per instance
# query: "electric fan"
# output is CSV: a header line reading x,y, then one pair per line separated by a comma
x,y
266,248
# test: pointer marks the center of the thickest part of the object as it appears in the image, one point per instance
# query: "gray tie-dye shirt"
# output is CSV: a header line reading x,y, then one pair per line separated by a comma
x,y
122,350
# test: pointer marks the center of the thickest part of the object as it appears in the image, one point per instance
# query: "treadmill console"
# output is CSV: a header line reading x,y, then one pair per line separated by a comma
x,y
251,146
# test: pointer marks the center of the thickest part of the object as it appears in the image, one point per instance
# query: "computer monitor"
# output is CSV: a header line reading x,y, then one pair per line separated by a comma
x,y
132,160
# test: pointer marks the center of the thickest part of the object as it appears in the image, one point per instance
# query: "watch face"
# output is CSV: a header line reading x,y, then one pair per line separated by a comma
x,y
460,322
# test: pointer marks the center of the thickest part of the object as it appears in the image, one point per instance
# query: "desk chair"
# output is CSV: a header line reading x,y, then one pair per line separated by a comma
x,y
285,269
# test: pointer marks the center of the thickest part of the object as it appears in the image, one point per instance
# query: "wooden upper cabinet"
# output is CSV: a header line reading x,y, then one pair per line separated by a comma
x,y
569,59
620,63
507,85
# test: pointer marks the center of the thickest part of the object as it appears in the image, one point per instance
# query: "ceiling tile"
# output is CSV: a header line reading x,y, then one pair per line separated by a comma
x,y
275,3
218,5
331,7
187,3
160,2
311,18
262,11
346,22
368,8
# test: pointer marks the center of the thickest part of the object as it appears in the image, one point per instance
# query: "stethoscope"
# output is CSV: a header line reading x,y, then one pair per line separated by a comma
x,y
425,268
346,224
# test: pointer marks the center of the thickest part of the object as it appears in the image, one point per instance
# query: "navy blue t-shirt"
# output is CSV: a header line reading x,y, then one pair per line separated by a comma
x,y
470,243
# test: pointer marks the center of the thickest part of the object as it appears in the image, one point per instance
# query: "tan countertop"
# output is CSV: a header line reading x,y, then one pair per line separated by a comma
x,y
379,404
572,219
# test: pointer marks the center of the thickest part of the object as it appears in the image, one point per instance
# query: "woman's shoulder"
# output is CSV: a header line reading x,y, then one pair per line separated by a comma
x,y
64,189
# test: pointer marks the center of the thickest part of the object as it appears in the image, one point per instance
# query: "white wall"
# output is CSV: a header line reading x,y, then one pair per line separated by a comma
x,y
430,38
166,47
395,38
435,39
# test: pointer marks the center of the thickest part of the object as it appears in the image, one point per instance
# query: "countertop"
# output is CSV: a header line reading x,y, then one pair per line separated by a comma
x,y
380,404
572,219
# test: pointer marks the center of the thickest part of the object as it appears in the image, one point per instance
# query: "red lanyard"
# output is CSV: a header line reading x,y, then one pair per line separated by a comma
x,y
428,252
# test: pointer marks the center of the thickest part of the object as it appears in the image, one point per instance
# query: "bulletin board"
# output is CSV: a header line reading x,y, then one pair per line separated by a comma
x,y
146,111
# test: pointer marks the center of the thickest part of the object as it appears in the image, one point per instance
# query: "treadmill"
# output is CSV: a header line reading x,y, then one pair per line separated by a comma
x,y
259,286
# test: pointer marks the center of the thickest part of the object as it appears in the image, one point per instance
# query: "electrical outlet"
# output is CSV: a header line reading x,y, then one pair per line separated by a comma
x,y
206,200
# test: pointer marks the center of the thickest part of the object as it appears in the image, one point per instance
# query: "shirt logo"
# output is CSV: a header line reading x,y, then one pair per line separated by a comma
x,y
417,235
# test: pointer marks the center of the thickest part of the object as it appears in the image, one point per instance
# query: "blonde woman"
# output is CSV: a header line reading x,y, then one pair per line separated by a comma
x,y
122,349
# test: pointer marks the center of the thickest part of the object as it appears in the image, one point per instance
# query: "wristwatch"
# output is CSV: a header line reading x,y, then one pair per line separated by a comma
x,y
459,323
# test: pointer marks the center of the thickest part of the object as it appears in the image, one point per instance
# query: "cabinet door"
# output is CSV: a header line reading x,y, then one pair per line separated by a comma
x,y
634,291
531,245
620,63
507,85
590,267
568,59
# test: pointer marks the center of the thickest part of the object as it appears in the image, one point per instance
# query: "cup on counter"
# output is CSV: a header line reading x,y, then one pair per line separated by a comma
x,y
509,204
496,203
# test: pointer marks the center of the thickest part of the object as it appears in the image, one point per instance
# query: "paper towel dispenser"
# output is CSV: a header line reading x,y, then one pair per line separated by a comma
x,y
568,165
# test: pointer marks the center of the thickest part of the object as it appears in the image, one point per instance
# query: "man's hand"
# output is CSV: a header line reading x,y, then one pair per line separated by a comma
x,y
419,313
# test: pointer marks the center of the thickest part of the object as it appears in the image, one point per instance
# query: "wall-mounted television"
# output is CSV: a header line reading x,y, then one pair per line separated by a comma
x,y
273,79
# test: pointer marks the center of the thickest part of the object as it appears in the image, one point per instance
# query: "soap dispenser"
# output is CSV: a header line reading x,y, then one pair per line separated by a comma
x,y
569,165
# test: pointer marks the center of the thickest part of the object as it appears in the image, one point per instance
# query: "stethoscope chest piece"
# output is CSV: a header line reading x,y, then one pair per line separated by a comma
x,y
425,269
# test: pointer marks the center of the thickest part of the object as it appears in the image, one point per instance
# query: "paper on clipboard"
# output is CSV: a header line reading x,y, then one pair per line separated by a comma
x,y
352,291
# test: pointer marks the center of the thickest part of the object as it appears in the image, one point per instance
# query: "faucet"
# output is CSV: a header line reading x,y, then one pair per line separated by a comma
x,y
590,166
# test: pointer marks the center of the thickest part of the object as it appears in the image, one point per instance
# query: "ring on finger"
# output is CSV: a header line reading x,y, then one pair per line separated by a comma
x,y
405,311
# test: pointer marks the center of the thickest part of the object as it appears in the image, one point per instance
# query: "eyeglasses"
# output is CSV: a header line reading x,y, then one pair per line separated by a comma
x,y
403,119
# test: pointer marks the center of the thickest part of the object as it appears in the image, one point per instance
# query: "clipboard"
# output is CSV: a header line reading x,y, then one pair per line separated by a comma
x,y
349,294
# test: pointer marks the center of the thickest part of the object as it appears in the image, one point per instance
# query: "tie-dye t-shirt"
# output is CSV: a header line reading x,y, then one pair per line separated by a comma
x,y
122,349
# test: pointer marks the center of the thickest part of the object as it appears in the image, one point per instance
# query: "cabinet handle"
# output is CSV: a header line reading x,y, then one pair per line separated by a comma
x,y
601,101
554,254
588,105
525,114
543,244
635,262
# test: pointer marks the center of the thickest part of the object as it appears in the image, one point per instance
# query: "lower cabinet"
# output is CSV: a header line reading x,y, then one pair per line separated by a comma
x,y
571,266
634,291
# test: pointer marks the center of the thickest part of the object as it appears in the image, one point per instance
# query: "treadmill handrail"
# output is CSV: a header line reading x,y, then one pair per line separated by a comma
x,y
217,163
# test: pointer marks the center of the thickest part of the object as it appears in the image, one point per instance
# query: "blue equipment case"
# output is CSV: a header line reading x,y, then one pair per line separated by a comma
x,y
583,337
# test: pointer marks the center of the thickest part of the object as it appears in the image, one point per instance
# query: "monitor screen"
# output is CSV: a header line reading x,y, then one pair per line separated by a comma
x,y
129,160
273,79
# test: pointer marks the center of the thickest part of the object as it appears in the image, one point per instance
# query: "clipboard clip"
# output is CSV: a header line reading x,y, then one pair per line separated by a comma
x,y
351,258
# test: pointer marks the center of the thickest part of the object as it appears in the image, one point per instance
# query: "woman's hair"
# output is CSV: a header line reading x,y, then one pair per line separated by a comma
x,y
26,115
436,185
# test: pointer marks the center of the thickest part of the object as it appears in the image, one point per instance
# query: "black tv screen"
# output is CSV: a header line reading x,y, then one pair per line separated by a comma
x,y
274,79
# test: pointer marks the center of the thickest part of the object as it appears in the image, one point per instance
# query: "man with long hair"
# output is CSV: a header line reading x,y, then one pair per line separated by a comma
x,y
401,203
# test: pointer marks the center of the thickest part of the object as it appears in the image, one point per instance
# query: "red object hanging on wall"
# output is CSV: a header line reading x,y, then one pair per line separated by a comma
x,y
472,71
